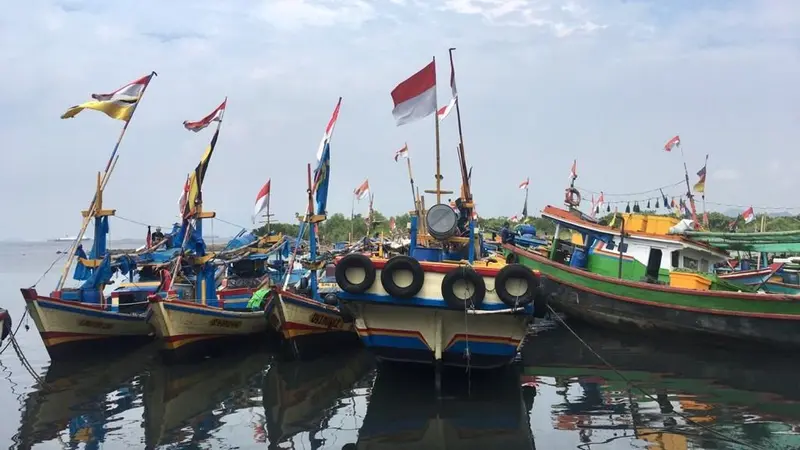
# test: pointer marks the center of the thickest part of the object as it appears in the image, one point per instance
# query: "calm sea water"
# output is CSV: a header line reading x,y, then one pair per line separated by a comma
x,y
560,397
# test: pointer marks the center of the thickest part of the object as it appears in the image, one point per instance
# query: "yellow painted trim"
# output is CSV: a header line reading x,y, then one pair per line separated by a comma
x,y
204,259
205,215
91,263
316,218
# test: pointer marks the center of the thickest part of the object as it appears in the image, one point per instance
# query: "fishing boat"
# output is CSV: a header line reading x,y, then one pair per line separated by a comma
x,y
780,277
648,276
440,304
304,396
189,315
491,411
308,324
75,322
68,238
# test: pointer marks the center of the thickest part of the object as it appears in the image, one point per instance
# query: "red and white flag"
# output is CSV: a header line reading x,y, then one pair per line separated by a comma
x,y
514,218
215,116
363,190
453,78
524,184
445,110
415,98
672,143
573,172
392,224
182,198
402,153
262,200
748,215
329,129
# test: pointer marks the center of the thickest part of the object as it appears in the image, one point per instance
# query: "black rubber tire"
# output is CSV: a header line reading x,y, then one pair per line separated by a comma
x,y
511,258
348,262
515,271
330,299
463,273
402,263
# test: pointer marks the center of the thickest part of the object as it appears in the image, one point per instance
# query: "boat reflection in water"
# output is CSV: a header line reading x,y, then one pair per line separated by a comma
x,y
86,398
744,396
303,397
185,403
489,412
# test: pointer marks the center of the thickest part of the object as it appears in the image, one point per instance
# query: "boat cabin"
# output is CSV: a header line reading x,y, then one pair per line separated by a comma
x,y
645,253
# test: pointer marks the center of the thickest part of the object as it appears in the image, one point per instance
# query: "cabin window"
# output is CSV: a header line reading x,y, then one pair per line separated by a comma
x,y
653,263
676,259
689,263
611,245
703,265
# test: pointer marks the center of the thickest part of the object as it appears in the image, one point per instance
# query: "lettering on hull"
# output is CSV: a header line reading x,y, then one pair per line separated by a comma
x,y
327,321
224,323
95,324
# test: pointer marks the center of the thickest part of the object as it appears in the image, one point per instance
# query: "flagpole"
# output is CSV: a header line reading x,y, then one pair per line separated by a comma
x,y
465,178
703,196
438,160
352,217
112,162
688,187
411,181
268,214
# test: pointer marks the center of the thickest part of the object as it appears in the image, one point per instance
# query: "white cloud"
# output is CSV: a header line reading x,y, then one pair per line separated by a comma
x,y
541,83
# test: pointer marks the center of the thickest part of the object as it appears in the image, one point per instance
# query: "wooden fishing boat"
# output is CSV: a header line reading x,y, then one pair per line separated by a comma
x,y
75,322
302,397
490,411
308,324
189,315
181,397
636,277
440,304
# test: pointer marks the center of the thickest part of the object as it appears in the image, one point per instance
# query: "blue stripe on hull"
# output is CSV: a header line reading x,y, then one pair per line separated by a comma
x,y
90,312
416,301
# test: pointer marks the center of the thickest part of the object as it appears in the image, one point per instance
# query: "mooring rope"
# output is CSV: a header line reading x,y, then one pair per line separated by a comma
x,y
685,417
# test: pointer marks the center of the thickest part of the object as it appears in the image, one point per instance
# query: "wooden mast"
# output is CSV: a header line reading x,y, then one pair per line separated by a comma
x,y
438,191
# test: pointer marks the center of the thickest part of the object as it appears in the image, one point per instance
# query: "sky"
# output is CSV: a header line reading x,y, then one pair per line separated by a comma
x,y
541,83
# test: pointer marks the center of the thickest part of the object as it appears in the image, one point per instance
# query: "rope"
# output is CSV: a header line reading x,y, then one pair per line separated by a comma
x,y
136,222
61,255
688,419
25,363
634,193
232,224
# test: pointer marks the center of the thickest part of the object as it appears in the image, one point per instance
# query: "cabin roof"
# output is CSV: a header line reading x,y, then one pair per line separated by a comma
x,y
569,219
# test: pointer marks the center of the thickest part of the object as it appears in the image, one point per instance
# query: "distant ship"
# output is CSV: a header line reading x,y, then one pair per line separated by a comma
x,y
68,238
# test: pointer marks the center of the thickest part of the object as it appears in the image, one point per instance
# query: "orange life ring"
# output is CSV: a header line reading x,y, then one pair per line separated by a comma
x,y
572,197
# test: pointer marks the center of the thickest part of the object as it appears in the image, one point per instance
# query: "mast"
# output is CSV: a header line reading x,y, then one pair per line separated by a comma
x,y
312,220
438,191
466,191
688,188
94,208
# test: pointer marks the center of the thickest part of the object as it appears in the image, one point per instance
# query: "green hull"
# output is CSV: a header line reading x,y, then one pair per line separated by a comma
x,y
621,303
781,288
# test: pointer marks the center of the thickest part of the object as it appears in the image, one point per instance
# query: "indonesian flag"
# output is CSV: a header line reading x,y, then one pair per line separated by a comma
x,y
524,184
573,172
402,153
445,110
363,190
600,200
119,104
184,193
415,98
672,143
514,219
262,200
215,116
392,224
748,215
329,129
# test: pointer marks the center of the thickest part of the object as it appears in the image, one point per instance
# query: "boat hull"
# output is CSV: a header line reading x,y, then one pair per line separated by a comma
x,y
423,329
188,329
623,304
5,324
308,328
71,330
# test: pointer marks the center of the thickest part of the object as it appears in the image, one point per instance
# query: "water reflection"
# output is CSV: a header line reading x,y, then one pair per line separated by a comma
x,y
83,398
186,403
751,398
303,397
404,412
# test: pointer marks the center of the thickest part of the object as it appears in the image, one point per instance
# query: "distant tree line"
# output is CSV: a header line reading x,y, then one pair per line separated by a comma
x,y
337,226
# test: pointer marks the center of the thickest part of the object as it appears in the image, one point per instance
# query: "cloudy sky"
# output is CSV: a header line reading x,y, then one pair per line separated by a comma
x,y
606,82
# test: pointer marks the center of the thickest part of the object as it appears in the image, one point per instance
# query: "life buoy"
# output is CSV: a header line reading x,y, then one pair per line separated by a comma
x,y
514,298
402,263
572,197
355,261
469,277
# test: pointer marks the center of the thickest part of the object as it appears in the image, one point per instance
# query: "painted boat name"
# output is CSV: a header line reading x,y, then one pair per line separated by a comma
x,y
95,324
223,323
330,322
